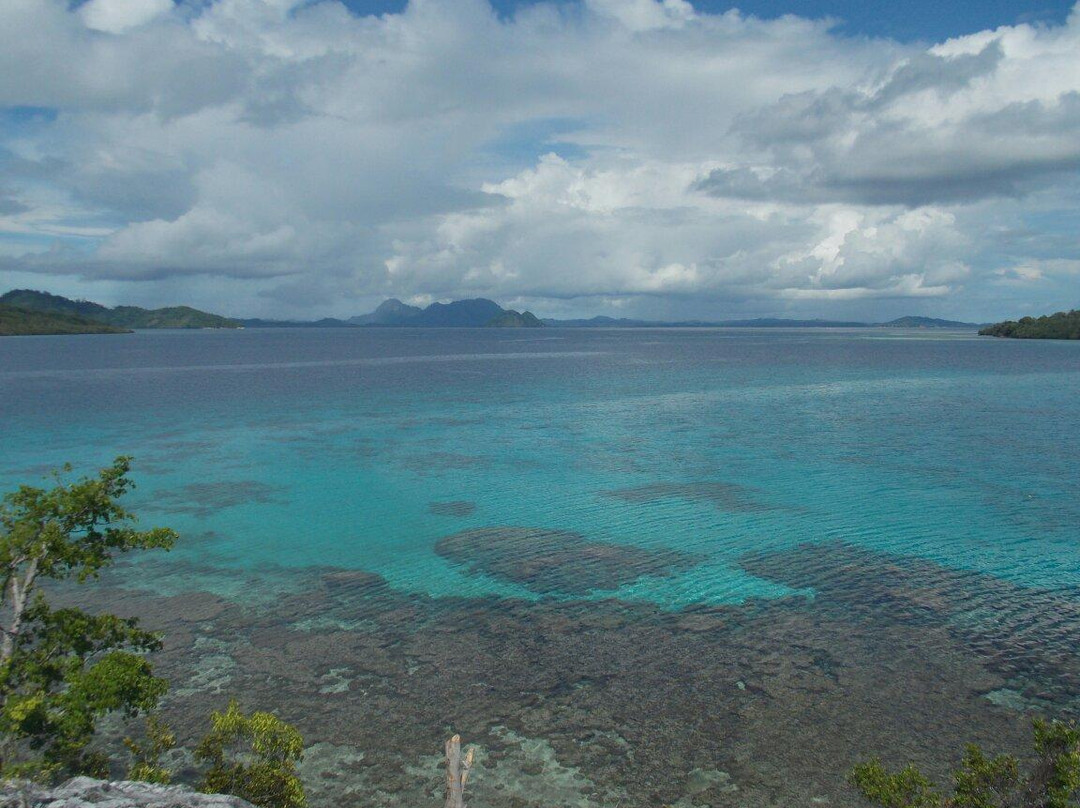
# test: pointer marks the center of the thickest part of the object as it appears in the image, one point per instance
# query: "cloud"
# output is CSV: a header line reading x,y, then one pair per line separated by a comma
x,y
940,128
305,158
117,16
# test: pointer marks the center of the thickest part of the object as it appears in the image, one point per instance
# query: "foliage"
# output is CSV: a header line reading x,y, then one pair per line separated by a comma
x,y
908,788
1051,781
15,322
63,669
1062,325
146,756
253,757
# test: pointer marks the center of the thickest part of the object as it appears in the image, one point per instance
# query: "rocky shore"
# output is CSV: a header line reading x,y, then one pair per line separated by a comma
x,y
86,792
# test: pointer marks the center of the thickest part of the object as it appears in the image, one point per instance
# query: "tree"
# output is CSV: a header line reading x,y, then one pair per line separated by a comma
x,y
146,762
1051,781
253,757
63,669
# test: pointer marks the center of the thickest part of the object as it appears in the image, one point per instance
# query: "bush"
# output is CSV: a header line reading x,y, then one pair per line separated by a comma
x,y
253,757
1051,780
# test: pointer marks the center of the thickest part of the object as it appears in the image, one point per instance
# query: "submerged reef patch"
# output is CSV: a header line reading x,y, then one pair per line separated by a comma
x,y
557,561
205,499
454,508
1027,635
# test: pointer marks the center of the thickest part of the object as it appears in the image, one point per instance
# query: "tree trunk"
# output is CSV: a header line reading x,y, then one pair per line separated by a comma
x,y
457,772
20,594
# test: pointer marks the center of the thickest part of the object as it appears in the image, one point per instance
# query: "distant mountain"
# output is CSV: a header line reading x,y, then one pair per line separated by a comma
x,y
15,321
389,312
123,317
761,322
926,322
600,321
773,322
514,319
475,313
1062,325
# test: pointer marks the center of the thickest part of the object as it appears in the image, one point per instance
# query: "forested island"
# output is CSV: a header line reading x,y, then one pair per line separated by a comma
x,y
26,311
1061,325
18,322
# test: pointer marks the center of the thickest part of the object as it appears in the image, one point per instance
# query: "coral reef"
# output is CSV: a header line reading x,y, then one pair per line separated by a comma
x,y
556,561
767,703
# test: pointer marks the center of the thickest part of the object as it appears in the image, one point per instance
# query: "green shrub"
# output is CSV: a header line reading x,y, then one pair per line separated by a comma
x,y
1051,780
253,757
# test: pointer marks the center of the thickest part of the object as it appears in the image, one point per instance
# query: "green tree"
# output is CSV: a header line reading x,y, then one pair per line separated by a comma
x,y
1052,780
253,757
146,755
61,670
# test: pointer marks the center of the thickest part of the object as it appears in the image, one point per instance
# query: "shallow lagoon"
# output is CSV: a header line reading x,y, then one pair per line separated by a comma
x,y
643,566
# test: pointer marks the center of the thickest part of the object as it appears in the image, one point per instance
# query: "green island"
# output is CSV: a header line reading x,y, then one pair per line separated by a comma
x,y
64,671
36,312
18,322
1062,325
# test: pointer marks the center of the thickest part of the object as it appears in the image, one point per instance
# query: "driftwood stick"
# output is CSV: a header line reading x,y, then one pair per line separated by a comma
x,y
457,772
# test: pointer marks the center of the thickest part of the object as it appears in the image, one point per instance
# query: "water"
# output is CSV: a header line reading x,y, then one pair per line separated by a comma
x,y
651,469
328,447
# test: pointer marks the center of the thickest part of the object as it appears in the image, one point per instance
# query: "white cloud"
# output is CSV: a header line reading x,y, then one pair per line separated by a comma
x,y
117,16
716,161
645,15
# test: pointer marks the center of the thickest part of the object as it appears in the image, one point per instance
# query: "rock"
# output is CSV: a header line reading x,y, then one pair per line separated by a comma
x,y
84,792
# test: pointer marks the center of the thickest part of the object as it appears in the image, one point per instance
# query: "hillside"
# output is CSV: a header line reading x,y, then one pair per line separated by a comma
x,y
389,312
1062,325
926,322
122,317
170,317
514,319
15,321
474,313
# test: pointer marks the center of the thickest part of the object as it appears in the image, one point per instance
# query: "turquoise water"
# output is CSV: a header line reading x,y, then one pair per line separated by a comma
x,y
749,558
273,450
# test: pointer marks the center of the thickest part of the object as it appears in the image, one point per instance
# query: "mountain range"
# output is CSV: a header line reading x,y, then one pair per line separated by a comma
x,y
760,322
24,311
475,313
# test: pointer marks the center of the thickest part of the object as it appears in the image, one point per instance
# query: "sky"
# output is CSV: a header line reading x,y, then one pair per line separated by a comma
x,y
641,158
